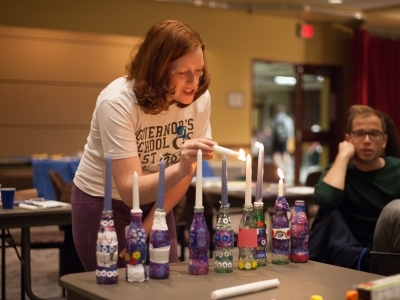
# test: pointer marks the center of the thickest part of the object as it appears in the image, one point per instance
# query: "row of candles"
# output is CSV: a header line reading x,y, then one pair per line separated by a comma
x,y
107,272
199,179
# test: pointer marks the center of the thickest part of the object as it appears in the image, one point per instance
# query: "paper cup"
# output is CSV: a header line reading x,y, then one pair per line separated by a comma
x,y
7,197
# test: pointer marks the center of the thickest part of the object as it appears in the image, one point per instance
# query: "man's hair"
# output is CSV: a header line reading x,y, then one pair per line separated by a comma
x,y
363,111
164,43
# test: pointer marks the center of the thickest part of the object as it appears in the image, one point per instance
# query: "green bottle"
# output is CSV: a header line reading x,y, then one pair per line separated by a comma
x,y
259,222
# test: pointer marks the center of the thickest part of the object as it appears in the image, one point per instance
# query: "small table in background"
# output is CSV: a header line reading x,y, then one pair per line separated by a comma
x,y
65,166
24,219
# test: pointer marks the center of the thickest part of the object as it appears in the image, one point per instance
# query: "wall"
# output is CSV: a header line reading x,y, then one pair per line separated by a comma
x,y
233,38
49,82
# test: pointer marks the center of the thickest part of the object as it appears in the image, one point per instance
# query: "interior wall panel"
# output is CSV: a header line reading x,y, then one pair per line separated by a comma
x,y
49,83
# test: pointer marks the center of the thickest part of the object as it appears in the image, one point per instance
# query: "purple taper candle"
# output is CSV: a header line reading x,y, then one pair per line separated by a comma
x,y
107,185
161,179
224,183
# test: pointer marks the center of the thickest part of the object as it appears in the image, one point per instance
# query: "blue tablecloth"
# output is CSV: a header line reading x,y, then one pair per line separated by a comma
x,y
41,167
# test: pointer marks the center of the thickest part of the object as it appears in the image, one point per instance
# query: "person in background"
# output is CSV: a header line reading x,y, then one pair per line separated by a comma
x,y
282,130
161,108
393,144
356,194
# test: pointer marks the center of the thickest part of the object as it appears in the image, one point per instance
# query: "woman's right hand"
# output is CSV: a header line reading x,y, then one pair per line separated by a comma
x,y
189,152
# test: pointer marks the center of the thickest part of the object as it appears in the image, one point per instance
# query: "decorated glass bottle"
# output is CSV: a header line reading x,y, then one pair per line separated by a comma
x,y
199,242
259,222
107,250
136,249
281,232
247,240
159,247
224,242
299,234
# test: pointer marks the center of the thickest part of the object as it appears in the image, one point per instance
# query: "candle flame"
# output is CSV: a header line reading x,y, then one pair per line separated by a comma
x,y
242,155
280,173
257,144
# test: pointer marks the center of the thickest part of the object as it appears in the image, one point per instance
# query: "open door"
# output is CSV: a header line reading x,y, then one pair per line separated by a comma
x,y
312,98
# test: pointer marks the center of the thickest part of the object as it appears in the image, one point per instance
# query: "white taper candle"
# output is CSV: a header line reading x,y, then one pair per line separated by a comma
x,y
199,180
244,289
247,195
135,192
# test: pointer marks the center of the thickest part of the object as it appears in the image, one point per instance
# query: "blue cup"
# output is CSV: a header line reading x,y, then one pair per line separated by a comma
x,y
7,197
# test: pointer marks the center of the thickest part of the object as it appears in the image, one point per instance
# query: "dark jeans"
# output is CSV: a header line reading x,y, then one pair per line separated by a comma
x,y
332,242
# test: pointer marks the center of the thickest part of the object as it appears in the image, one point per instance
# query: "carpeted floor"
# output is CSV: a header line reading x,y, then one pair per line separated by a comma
x,y
44,266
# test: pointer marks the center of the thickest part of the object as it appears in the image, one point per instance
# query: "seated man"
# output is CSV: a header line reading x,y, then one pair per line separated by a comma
x,y
352,193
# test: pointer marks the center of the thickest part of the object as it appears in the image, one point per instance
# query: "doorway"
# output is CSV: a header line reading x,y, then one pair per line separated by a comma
x,y
310,96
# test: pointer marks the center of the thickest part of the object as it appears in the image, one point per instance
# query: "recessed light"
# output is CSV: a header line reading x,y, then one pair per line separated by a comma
x,y
285,80
335,1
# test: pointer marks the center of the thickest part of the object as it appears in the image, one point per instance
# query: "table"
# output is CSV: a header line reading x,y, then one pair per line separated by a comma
x,y
297,281
236,190
24,219
65,166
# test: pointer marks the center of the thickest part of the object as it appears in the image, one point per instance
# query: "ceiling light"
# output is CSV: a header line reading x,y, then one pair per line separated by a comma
x,y
335,1
285,80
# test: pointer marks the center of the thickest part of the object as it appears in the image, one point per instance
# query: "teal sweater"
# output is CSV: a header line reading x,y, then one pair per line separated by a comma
x,y
363,198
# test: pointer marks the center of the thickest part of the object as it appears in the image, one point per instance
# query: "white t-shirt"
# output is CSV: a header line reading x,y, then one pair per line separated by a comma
x,y
121,128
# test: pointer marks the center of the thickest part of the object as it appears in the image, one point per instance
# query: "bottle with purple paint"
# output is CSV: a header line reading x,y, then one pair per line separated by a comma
x,y
107,250
199,241
159,247
259,222
281,232
136,249
299,234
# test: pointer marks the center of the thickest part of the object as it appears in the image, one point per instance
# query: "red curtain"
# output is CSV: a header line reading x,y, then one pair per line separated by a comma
x,y
375,79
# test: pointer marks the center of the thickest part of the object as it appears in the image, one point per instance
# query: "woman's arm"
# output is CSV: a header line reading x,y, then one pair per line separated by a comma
x,y
177,177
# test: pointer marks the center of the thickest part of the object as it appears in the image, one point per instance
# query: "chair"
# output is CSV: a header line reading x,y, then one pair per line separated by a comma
x,y
270,172
313,178
311,181
62,190
385,263
183,213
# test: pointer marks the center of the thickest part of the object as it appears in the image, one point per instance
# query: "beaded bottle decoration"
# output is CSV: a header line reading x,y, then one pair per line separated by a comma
x,y
107,250
224,242
136,249
281,232
247,240
199,242
299,234
259,221
159,247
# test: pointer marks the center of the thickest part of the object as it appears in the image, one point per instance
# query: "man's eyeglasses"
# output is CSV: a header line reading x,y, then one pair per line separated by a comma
x,y
373,135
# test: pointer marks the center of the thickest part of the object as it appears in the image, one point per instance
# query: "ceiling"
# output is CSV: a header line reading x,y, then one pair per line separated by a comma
x,y
378,16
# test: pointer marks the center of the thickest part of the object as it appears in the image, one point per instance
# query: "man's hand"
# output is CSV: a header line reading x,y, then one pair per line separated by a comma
x,y
336,176
346,150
